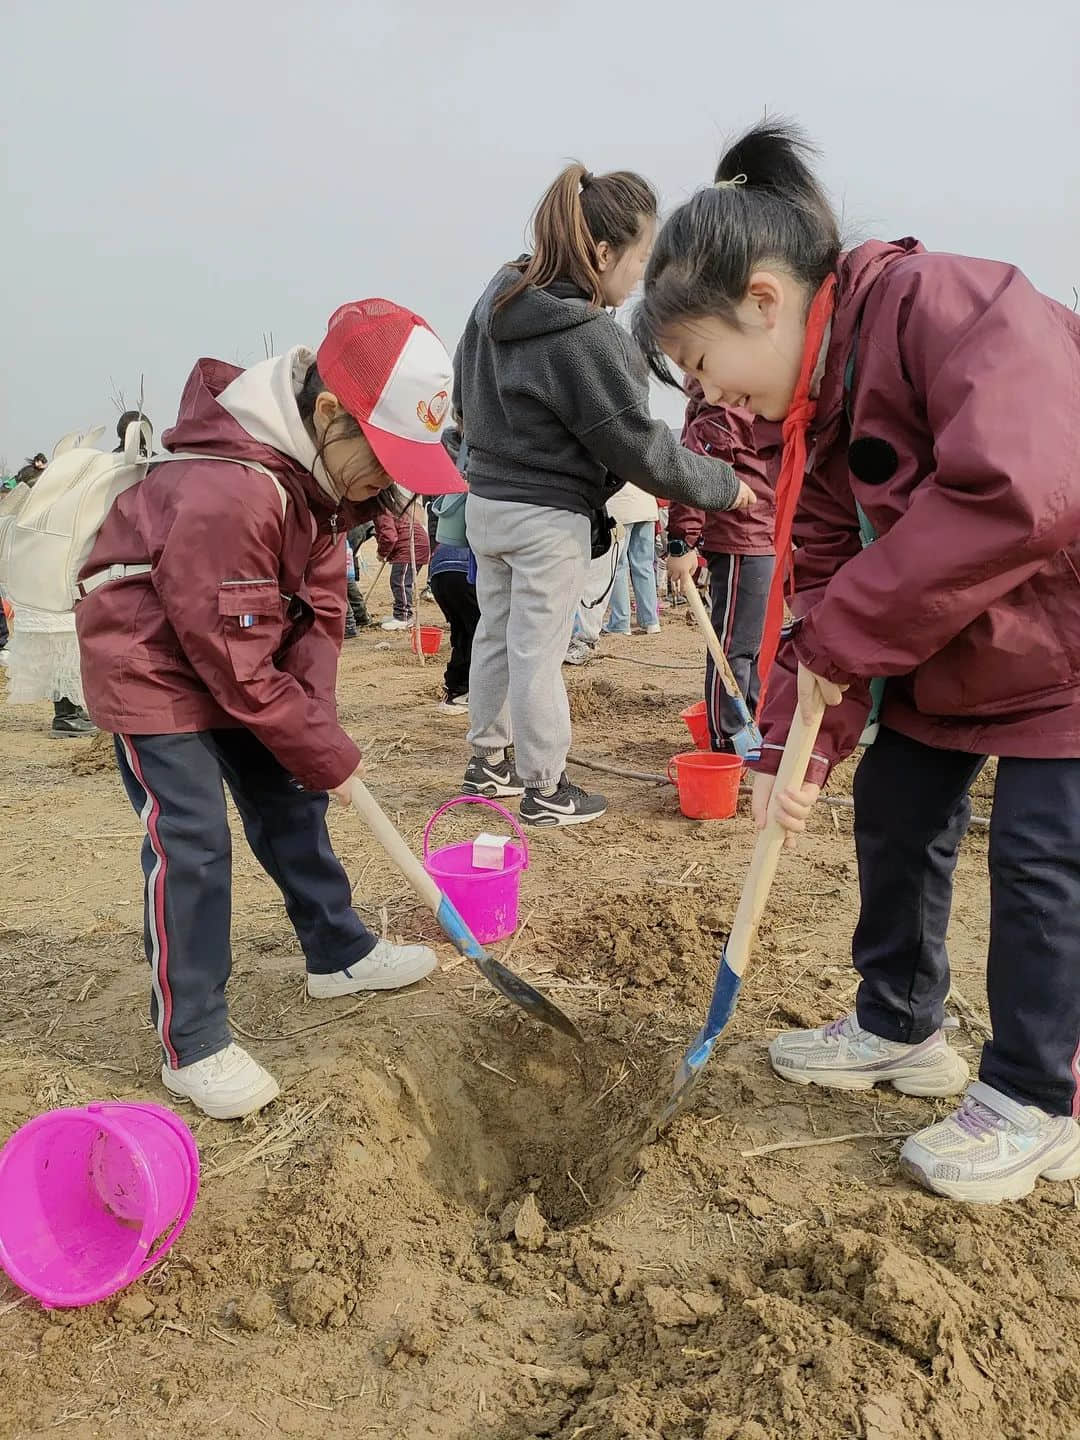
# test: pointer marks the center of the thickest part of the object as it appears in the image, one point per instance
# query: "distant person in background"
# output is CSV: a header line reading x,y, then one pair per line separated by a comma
x,y
451,588
392,532
31,470
636,512
354,594
42,651
132,417
737,547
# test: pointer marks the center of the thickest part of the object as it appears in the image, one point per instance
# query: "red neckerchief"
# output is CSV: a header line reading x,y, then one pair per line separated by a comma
x,y
789,483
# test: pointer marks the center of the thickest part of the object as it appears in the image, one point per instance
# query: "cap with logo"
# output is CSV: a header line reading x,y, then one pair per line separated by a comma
x,y
393,375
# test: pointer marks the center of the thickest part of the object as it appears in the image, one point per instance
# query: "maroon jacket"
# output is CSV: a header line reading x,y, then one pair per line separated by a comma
x,y
208,640
728,435
392,534
963,451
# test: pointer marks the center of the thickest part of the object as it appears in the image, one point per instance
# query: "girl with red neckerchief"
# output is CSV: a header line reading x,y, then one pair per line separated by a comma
x,y
936,399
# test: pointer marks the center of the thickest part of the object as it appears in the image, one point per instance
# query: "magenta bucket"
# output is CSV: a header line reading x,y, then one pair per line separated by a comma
x,y
487,900
91,1198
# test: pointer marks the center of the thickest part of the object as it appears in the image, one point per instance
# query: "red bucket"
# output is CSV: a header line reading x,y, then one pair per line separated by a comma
x,y
430,639
697,722
708,784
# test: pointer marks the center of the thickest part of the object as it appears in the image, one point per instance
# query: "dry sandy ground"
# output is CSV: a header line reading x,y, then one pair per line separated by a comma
x,y
450,1225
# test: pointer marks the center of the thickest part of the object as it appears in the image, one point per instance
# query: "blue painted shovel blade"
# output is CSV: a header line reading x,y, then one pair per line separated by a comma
x,y
744,735
721,1008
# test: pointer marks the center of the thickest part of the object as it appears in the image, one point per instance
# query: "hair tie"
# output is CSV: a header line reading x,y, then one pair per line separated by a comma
x,y
729,184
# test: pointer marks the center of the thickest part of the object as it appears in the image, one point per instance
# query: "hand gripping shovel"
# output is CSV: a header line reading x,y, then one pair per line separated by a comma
x,y
509,985
747,739
755,893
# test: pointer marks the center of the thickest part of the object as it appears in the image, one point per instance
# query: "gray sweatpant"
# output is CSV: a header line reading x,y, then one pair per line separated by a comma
x,y
530,569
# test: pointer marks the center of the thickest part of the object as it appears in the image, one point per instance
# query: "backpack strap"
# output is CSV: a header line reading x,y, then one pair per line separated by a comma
x,y
122,572
167,455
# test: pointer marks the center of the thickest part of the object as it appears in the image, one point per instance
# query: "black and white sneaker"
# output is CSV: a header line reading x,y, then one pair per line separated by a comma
x,y
570,805
491,778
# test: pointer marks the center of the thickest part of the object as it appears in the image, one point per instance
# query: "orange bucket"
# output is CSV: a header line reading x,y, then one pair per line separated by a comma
x,y
697,722
708,784
430,639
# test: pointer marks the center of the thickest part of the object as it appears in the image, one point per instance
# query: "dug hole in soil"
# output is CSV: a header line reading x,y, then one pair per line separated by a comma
x,y
450,1224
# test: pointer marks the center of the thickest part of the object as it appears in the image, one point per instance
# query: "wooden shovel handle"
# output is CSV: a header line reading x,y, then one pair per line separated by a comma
x,y
374,582
755,892
388,837
705,625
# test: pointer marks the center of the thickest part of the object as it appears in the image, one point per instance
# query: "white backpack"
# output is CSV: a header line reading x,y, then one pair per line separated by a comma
x,y
48,539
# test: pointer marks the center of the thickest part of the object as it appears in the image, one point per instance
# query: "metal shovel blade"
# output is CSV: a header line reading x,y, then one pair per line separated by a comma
x,y
512,987
509,985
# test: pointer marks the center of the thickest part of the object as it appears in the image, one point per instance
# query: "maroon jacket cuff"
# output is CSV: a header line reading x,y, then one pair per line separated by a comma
x,y
817,772
333,769
809,653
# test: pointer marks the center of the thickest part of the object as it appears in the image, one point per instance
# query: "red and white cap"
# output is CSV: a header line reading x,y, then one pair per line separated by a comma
x,y
393,375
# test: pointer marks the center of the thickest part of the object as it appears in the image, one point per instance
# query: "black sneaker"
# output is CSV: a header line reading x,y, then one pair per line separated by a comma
x,y
570,805
491,778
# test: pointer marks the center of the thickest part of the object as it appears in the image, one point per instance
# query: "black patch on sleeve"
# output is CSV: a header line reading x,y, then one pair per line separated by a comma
x,y
871,460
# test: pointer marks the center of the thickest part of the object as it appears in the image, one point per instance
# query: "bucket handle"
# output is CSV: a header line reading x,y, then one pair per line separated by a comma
x,y
96,1111
672,765
475,800
192,1149
178,1224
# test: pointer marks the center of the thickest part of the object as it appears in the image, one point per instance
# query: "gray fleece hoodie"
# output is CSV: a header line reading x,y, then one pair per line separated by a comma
x,y
555,401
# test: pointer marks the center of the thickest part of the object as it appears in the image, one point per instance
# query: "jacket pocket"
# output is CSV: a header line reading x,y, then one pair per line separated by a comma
x,y
251,616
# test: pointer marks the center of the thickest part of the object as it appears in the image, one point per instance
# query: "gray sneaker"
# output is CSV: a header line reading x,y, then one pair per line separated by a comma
x,y
493,779
992,1149
569,805
844,1056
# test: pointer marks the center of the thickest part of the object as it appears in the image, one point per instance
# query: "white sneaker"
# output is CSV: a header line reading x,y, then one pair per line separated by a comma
x,y
843,1056
992,1149
224,1086
388,967
393,624
650,630
458,706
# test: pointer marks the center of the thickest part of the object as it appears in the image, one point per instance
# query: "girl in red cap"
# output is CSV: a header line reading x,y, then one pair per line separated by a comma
x,y
210,628
937,544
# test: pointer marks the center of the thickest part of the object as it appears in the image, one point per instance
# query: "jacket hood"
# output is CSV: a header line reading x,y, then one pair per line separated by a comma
x,y
252,415
858,272
534,312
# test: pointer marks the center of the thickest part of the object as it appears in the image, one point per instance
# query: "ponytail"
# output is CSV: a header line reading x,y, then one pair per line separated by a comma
x,y
766,206
578,213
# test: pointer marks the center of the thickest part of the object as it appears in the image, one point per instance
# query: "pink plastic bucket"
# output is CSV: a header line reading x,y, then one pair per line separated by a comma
x,y
91,1198
487,900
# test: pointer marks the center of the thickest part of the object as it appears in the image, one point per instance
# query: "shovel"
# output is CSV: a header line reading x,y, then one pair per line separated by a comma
x,y
509,985
747,739
751,907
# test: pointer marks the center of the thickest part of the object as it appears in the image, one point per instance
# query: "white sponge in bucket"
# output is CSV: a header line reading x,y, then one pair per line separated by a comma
x,y
489,852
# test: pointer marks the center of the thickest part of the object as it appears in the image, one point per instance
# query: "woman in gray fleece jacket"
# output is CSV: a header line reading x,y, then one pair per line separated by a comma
x,y
555,402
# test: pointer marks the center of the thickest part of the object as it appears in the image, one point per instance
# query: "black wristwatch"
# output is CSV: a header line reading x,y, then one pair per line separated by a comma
x,y
677,548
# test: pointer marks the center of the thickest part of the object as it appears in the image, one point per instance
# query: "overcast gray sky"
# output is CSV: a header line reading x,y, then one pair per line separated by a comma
x,y
181,177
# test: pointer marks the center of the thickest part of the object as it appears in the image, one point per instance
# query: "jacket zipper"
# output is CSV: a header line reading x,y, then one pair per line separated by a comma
x,y
262,580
